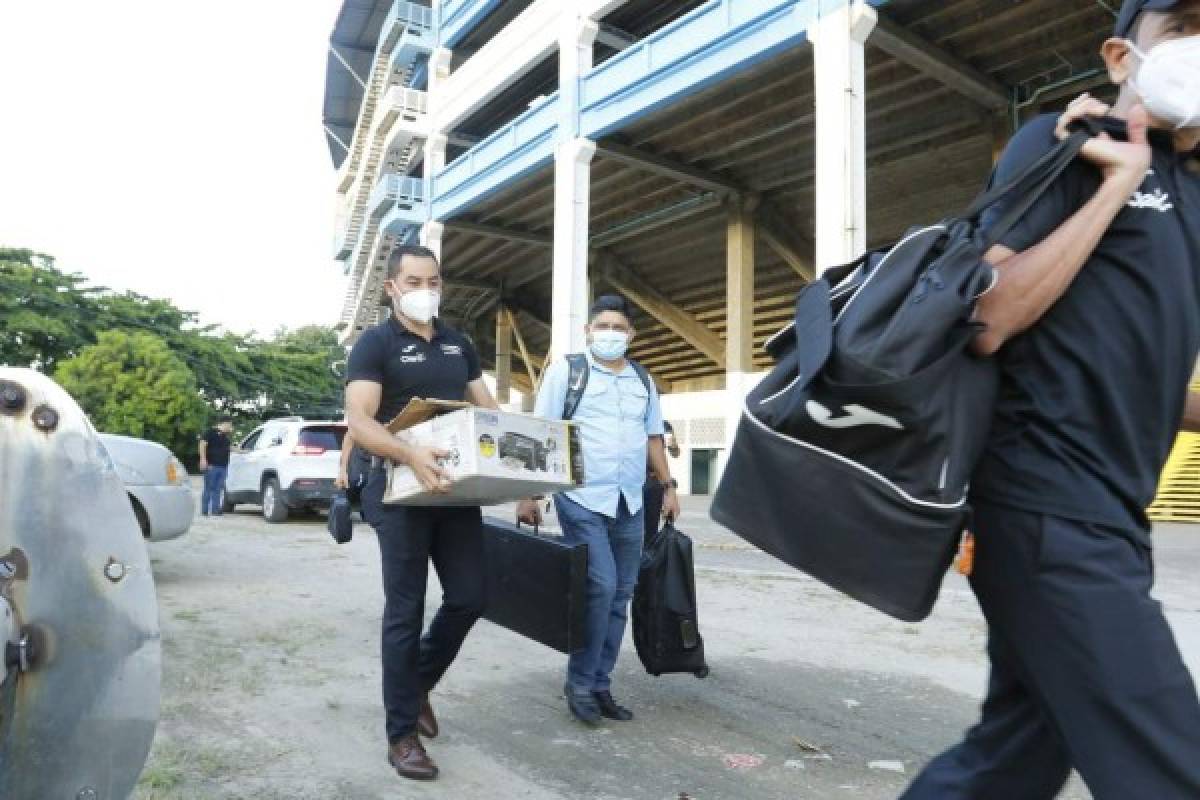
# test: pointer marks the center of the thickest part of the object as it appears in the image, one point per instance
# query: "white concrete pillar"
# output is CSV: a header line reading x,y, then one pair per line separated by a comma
x,y
569,302
572,188
435,161
438,70
841,190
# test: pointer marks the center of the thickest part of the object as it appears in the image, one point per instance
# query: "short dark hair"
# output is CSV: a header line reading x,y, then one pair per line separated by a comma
x,y
402,250
224,418
610,302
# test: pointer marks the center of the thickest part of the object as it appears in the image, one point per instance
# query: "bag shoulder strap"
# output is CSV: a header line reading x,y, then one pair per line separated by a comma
x,y
644,375
577,380
578,370
1028,187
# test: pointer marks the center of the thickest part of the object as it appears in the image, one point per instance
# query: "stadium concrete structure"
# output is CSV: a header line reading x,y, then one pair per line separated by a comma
x,y
703,157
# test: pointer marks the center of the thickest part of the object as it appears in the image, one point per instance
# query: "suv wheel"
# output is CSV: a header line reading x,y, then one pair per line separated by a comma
x,y
274,509
227,507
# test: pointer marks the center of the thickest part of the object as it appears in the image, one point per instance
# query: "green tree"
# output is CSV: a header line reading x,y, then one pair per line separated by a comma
x,y
298,369
48,316
132,384
43,311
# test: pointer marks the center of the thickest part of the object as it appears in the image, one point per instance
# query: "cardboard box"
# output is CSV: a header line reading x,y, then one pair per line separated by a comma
x,y
495,456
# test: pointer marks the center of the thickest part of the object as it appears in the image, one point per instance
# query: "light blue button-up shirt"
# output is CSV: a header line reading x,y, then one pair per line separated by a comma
x,y
616,417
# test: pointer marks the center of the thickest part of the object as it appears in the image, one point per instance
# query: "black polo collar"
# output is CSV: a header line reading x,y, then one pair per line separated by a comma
x,y
400,329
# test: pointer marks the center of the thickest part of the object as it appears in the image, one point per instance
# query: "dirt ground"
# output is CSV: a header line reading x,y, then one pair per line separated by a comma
x,y
271,683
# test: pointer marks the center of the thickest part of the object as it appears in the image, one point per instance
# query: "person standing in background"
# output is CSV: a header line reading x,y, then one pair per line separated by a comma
x,y
214,463
656,490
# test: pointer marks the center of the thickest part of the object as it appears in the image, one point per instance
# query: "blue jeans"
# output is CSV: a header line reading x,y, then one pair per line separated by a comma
x,y
614,556
214,489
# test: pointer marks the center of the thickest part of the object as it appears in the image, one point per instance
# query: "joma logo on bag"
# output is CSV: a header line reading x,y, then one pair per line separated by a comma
x,y
853,416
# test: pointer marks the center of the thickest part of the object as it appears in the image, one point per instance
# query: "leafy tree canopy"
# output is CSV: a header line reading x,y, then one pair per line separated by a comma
x,y
49,318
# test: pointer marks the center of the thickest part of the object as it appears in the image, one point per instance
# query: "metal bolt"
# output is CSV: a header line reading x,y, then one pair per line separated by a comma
x,y
114,570
86,793
45,418
12,398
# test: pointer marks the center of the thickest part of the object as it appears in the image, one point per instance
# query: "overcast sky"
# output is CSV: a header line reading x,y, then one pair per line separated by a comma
x,y
174,148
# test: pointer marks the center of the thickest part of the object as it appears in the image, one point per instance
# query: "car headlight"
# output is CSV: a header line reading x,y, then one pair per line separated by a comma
x,y
176,472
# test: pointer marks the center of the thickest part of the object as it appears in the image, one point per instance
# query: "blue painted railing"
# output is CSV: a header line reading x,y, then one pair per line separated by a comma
x,y
459,17
707,45
712,42
515,150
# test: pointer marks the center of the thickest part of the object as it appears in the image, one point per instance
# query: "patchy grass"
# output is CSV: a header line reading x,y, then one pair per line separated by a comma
x,y
173,771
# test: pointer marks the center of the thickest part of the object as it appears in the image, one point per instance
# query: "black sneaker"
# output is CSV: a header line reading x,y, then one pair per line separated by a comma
x,y
583,705
609,708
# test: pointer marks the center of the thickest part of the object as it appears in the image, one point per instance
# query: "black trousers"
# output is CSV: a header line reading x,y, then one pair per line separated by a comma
x,y
652,501
1085,671
408,539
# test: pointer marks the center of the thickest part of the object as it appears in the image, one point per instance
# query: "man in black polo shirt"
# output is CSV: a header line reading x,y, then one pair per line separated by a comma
x,y
410,355
214,463
1095,323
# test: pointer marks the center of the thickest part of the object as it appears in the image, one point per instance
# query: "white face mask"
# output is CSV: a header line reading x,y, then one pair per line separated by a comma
x,y
419,305
1168,81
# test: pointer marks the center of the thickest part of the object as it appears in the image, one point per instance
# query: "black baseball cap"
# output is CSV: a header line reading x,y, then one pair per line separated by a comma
x,y
1130,10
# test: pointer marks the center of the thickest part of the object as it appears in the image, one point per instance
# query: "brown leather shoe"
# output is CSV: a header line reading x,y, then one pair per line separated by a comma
x,y
427,724
408,757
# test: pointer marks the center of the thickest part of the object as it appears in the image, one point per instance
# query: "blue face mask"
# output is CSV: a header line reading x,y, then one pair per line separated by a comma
x,y
609,345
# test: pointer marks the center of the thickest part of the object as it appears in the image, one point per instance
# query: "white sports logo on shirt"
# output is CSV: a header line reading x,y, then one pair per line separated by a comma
x,y
1158,200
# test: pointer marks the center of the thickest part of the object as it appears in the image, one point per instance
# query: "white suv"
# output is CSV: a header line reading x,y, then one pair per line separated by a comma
x,y
288,464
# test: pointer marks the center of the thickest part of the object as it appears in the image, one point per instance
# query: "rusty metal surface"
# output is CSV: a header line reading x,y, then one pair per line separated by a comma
x,y
73,565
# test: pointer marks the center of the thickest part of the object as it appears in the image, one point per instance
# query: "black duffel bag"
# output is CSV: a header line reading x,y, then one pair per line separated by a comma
x,y
666,625
340,523
853,456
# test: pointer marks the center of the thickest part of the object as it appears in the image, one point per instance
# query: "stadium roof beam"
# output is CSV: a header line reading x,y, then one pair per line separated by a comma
x,y
341,59
530,367
500,232
667,167
789,246
672,316
523,309
924,56
775,231
656,218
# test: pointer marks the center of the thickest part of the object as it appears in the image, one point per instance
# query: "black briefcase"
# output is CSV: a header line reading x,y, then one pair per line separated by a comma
x,y
536,584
